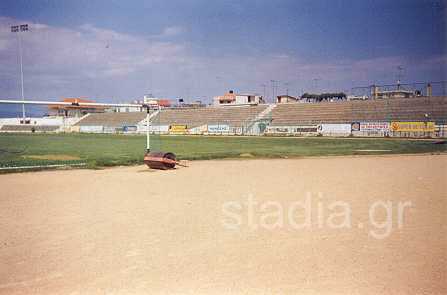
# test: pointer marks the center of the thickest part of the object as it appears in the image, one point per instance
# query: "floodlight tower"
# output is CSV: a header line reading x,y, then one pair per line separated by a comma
x,y
18,29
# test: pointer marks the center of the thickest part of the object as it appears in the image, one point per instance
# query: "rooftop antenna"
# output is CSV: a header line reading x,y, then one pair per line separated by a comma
x,y
399,75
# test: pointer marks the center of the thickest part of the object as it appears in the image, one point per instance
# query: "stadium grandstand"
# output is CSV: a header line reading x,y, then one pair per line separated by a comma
x,y
112,119
235,116
401,117
35,124
412,109
29,128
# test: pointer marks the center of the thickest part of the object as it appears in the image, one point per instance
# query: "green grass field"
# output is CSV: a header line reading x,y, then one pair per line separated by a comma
x,y
109,150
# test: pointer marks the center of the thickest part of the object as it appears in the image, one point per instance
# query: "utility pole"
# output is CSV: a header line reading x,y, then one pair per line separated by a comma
x,y
399,75
273,89
18,29
263,89
287,88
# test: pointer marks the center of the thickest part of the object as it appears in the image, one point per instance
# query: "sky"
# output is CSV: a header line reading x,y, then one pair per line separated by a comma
x,y
117,51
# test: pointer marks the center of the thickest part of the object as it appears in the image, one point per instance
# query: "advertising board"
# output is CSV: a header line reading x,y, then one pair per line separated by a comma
x,y
159,128
335,128
412,126
375,126
177,129
91,129
198,130
218,128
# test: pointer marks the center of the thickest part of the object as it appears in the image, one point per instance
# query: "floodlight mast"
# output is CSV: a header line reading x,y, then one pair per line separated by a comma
x,y
18,29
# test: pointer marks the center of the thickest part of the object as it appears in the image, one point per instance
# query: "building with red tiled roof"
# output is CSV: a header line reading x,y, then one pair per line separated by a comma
x,y
75,110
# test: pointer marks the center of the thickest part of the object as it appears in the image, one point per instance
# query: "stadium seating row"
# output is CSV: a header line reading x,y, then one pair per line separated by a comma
x,y
234,116
406,109
240,119
112,119
29,128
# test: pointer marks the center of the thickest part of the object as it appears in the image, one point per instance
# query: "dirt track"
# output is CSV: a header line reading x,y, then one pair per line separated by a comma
x,y
133,231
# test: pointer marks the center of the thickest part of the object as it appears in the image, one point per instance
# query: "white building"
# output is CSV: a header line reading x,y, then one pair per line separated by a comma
x,y
147,99
232,98
286,99
129,109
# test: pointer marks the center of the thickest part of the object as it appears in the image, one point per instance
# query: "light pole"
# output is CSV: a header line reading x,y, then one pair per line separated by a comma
x,y
287,88
273,89
399,75
18,29
263,88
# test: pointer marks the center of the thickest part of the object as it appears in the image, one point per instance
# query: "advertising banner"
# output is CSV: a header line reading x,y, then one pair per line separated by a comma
x,y
109,129
177,129
335,128
154,128
375,126
129,128
159,128
413,126
293,130
355,126
218,128
91,129
198,130
441,130
304,129
277,129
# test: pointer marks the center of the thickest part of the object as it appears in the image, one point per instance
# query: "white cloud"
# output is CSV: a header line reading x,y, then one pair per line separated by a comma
x,y
173,31
85,52
97,62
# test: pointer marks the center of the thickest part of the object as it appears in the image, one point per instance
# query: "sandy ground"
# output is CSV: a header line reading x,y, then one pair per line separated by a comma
x,y
134,231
